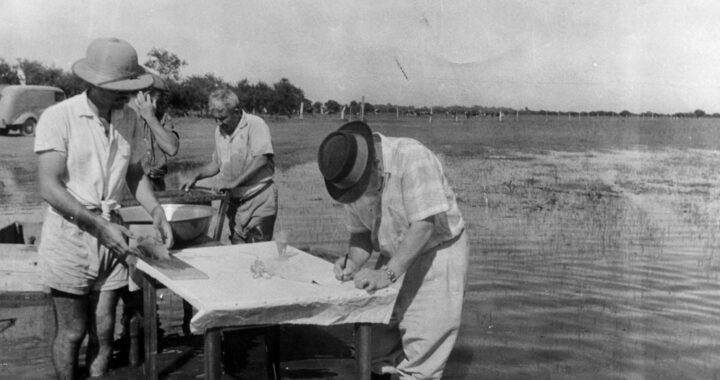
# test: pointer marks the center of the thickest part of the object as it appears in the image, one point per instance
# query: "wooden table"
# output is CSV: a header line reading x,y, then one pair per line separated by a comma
x,y
299,289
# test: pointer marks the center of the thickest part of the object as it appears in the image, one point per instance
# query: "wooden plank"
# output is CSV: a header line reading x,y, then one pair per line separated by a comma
x,y
150,321
176,269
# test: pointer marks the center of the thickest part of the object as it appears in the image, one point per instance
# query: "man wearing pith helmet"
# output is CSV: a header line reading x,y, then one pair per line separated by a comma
x,y
87,148
399,203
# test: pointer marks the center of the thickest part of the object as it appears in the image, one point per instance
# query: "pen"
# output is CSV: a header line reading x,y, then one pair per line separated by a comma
x,y
342,275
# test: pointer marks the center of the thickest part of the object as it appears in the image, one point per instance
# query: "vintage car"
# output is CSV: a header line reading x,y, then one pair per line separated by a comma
x,y
21,106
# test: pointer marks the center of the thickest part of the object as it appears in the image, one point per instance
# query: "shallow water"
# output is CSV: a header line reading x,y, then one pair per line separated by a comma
x,y
631,297
614,292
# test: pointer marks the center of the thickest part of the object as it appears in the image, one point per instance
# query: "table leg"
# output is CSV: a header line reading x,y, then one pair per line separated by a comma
x,y
213,350
272,348
150,327
363,360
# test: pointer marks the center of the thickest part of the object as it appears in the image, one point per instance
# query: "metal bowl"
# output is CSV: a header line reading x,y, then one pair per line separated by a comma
x,y
188,222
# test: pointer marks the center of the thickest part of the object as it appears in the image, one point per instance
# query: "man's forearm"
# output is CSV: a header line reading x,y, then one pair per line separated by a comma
x,y
411,246
140,187
205,171
166,140
360,248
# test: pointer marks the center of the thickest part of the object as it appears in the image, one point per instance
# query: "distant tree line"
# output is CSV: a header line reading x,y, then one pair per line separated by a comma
x,y
188,95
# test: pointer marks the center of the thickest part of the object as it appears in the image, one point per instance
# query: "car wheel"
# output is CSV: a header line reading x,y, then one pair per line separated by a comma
x,y
28,127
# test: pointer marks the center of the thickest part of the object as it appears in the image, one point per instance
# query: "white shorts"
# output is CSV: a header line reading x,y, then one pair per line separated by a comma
x,y
72,261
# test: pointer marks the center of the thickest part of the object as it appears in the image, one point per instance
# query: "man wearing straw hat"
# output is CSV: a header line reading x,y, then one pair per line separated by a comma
x,y
87,153
399,203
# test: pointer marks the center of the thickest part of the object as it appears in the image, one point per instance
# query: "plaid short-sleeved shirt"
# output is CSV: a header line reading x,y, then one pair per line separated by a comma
x,y
414,188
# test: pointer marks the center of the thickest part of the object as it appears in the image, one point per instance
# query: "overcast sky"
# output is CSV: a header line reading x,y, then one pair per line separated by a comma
x,y
636,55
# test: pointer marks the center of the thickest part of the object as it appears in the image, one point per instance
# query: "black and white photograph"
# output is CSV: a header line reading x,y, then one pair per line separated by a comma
x,y
397,190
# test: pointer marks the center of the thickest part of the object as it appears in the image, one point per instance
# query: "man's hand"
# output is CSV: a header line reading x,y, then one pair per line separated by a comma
x,y
345,269
113,236
162,226
221,187
143,104
371,279
188,184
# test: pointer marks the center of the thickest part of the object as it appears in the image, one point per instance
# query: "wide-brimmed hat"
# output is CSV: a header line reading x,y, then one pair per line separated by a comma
x,y
345,160
112,64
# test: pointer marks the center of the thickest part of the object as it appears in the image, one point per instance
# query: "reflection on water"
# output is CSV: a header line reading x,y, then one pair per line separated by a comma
x,y
624,296
612,292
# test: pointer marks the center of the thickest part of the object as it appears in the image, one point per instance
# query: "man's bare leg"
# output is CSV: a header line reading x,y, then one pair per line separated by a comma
x,y
71,319
101,331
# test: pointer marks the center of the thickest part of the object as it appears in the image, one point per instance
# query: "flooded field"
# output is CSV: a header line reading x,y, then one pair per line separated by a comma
x,y
597,262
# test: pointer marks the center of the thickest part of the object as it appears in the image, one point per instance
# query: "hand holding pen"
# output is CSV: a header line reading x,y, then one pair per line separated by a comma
x,y
344,268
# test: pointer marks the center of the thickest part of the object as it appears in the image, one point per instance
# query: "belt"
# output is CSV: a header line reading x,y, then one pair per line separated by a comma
x,y
254,193
384,259
446,243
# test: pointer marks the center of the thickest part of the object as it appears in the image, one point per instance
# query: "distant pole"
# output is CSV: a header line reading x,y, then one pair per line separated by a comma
x,y
302,105
430,119
397,113
517,115
362,109
342,113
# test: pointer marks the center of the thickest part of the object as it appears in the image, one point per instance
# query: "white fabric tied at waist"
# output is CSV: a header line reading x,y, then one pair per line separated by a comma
x,y
107,208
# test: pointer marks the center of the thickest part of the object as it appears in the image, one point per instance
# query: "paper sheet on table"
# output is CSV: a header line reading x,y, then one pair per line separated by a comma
x,y
301,290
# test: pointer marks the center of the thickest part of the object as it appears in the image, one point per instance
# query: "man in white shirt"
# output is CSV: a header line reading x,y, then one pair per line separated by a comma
x,y
87,149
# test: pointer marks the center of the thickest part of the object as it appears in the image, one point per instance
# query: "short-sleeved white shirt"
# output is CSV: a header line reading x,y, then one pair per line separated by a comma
x,y
414,188
233,153
96,164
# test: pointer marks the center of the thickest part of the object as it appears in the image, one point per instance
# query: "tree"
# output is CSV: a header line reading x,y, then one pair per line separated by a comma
x,y
70,83
307,106
354,107
167,64
317,107
196,89
38,73
699,113
332,106
8,75
255,98
287,98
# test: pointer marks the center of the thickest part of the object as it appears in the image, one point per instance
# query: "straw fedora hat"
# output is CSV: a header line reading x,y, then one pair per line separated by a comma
x,y
112,64
345,160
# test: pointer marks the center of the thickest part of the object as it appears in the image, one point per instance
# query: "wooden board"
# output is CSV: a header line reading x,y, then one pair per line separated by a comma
x,y
176,269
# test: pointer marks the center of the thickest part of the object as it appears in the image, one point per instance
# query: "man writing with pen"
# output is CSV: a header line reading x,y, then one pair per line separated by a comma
x,y
399,203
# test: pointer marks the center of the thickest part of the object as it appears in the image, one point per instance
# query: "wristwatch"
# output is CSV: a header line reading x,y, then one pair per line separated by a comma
x,y
390,273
